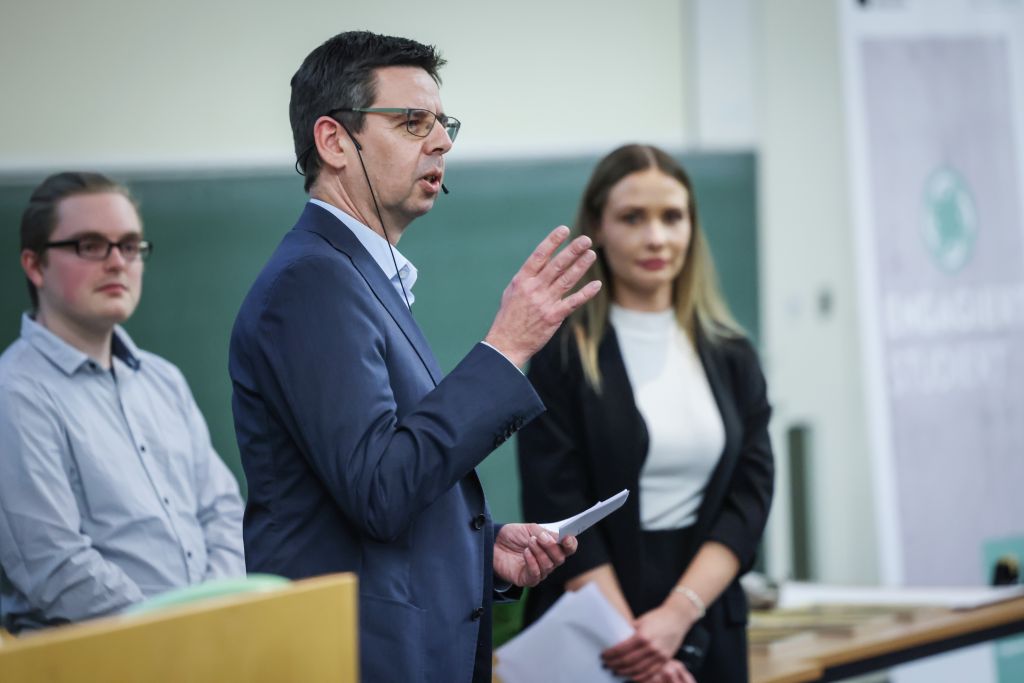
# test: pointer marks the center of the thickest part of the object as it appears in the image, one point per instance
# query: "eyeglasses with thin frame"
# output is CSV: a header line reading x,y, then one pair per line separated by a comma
x,y
97,248
419,122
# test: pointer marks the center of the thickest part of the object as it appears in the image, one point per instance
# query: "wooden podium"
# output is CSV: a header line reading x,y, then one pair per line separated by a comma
x,y
305,631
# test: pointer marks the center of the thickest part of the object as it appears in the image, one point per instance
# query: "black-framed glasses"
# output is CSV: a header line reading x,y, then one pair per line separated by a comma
x,y
96,248
419,122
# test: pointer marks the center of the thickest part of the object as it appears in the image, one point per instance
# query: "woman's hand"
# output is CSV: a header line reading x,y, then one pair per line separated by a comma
x,y
659,635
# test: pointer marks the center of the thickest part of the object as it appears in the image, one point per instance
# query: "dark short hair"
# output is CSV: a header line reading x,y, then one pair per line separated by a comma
x,y
340,75
40,217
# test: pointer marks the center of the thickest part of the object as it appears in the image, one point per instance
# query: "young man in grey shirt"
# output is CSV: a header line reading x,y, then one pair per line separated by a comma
x,y
110,490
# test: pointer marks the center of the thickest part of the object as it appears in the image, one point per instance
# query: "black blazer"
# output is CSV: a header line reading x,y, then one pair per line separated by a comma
x,y
589,446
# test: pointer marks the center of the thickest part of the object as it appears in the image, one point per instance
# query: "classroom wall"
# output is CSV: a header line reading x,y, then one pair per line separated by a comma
x,y
189,87
809,296
205,82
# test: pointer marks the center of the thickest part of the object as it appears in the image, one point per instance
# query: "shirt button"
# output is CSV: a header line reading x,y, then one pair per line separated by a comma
x,y
142,447
478,522
167,501
189,554
477,613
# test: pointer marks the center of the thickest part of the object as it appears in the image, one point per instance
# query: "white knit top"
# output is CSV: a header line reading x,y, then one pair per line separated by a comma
x,y
686,434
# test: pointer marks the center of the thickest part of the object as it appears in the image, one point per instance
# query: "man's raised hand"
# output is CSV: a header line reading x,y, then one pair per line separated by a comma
x,y
537,299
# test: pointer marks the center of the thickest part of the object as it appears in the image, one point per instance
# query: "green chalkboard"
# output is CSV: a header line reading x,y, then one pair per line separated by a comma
x,y
213,232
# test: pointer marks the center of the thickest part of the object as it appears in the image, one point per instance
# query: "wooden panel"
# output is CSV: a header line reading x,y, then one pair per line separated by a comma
x,y
305,632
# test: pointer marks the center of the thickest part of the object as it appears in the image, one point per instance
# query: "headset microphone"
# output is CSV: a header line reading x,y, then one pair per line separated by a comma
x,y
444,189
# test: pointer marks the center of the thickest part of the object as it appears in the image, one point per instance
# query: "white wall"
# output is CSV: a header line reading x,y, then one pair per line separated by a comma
x,y
206,81
806,245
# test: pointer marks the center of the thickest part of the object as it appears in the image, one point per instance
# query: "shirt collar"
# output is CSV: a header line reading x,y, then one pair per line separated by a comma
x,y
379,249
67,357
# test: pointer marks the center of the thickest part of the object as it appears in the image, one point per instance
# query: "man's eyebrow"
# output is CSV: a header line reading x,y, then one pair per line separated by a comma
x,y
84,234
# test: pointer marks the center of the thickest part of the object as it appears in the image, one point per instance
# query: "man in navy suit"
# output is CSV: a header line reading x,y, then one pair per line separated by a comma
x,y
359,454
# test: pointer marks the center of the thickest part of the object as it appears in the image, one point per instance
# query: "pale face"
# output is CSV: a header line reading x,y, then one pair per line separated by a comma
x,y
406,170
645,232
89,295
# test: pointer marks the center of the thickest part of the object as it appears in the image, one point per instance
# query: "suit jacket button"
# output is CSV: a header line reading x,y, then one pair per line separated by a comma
x,y
477,613
478,522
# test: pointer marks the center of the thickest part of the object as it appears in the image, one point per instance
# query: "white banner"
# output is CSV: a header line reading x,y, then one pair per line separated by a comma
x,y
934,105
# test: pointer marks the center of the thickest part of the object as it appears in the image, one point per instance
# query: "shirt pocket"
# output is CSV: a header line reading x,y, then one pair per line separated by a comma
x,y
109,478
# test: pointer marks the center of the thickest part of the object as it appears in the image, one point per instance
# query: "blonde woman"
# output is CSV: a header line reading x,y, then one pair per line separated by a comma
x,y
653,387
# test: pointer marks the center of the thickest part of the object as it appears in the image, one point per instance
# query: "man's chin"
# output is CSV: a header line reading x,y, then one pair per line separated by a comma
x,y
116,315
425,203
417,210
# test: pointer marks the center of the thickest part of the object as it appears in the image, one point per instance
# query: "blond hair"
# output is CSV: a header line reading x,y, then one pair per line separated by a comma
x,y
696,296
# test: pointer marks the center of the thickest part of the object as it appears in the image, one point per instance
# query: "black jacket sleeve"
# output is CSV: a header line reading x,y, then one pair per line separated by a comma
x,y
741,521
552,469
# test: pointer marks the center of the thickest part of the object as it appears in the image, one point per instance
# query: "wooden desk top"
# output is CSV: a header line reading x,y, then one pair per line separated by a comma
x,y
766,669
900,640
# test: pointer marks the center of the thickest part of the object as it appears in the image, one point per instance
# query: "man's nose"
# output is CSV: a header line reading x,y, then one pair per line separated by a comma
x,y
115,259
438,139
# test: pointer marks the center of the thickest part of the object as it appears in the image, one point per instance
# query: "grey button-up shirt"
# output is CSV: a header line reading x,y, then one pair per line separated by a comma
x,y
110,490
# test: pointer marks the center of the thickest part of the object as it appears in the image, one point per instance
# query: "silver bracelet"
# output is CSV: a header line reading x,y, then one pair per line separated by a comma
x,y
692,596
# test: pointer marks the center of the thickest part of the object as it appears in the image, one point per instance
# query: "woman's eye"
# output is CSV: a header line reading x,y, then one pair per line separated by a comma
x,y
673,217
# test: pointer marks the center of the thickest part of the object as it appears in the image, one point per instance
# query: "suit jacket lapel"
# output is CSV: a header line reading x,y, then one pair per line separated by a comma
x,y
317,220
621,420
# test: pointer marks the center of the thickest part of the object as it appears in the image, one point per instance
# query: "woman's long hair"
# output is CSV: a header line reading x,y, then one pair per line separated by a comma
x,y
696,297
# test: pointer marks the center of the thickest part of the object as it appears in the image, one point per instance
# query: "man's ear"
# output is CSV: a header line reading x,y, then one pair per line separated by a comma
x,y
332,143
32,264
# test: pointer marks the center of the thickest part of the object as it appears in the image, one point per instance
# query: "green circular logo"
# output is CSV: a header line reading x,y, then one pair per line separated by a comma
x,y
950,223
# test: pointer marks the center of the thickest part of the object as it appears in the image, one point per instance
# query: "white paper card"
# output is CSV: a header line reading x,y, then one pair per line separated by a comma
x,y
566,643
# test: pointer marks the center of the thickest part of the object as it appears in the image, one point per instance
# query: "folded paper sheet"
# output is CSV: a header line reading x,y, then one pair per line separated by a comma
x,y
577,524
566,643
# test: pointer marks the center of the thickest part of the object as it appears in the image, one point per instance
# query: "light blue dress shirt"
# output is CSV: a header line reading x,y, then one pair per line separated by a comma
x,y
402,278
110,490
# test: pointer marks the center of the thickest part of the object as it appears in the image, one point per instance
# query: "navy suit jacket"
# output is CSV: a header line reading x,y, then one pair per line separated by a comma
x,y
360,456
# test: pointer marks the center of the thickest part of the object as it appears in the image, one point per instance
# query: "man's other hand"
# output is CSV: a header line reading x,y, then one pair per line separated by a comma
x,y
524,554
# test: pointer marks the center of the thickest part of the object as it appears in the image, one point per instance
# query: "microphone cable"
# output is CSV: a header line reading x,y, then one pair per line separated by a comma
x,y
373,196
